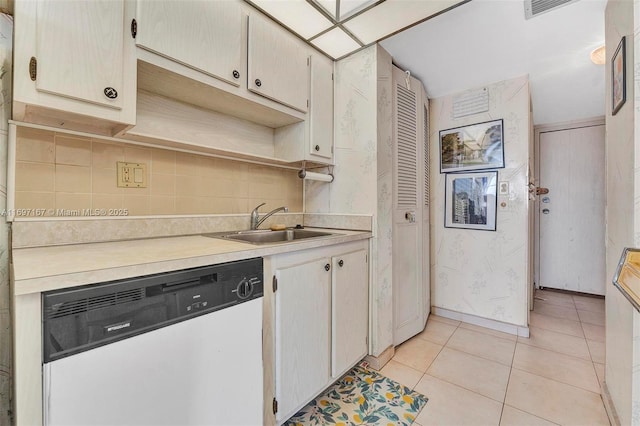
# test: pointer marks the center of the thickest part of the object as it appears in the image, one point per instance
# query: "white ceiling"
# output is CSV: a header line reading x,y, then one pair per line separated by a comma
x,y
486,41
339,27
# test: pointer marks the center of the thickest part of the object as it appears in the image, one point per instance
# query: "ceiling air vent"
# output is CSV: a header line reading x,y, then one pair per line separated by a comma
x,y
533,8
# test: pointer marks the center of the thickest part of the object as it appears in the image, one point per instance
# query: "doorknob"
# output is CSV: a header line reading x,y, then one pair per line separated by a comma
x,y
410,216
546,211
540,191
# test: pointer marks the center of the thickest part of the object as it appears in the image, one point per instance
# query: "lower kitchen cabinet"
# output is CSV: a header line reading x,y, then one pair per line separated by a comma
x,y
303,309
349,310
315,325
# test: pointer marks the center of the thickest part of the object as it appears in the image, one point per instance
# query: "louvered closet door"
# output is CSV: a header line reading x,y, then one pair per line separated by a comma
x,y
407,212
426,241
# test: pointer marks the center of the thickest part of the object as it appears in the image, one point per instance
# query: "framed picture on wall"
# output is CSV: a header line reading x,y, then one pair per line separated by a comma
x,y
475,147
618,77
470,200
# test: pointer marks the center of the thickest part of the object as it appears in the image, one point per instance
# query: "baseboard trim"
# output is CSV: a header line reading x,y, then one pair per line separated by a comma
x,y
504,327
608,405
377,362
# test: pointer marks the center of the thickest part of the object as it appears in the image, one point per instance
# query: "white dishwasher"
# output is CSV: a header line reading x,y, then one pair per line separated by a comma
x,y
179,348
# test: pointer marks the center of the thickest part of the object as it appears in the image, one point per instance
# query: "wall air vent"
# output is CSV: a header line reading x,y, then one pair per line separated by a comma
x,y
533,8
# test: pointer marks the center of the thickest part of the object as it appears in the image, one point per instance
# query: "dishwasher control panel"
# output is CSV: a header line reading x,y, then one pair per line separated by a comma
x,y
229,285
82,318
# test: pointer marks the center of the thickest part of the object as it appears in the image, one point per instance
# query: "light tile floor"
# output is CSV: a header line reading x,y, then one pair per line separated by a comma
x,y
476,376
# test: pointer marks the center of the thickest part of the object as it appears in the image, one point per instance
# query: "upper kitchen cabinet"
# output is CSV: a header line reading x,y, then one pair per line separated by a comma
x,y
320,146
278,64
203,35
313,139
74,63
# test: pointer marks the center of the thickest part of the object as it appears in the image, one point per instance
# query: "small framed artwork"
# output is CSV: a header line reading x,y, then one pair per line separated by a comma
x,y
475,147
619,77
470,200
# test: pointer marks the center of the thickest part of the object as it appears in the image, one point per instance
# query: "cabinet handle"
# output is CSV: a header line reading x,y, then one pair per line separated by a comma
x,y
236,74
327,267
258,82
341,263
110,92
317,148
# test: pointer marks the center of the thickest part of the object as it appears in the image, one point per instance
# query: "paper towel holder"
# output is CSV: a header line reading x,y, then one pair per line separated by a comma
x,y
322,177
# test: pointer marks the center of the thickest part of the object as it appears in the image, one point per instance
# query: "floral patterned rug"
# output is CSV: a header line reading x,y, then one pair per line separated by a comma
x,y
362,397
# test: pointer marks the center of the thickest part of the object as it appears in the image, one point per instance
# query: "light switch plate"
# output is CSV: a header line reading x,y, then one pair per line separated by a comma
x,y
132,175
504,187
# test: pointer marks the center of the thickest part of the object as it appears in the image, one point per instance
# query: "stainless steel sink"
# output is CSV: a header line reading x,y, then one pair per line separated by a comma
x,y
270,237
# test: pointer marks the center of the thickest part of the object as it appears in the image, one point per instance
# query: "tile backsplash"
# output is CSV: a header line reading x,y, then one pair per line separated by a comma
x,y
64,175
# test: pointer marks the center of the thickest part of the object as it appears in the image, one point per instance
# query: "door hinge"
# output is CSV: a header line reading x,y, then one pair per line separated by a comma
x,y
275,406
134,28
331,76
33,68
275,284
307,103
366,258
366,340
308,61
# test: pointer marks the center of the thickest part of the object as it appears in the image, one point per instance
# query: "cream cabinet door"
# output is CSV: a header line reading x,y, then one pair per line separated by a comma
x,y
321,109
278,64
302,330
203,35
349,310
80,50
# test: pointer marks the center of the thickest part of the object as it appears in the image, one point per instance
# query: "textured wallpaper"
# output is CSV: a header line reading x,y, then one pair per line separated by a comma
x,y
363,170
383,320
619,213
484,273
6,29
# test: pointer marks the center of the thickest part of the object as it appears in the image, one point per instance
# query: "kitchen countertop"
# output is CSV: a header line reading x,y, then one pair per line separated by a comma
x,y
48,268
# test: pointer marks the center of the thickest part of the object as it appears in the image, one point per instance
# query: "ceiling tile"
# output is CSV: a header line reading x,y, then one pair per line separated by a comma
x,y
335,43
393,15
348,7
298,15
328,5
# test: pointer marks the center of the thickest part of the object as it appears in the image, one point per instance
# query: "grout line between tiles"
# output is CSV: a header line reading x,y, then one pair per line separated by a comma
x,y
557,317
554,380
462,387
531,414
486,330
480,356
502,409
555,331
561,354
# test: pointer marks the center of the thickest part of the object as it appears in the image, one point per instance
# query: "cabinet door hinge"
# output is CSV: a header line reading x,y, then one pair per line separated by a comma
x,y
366,340
366,258
33,68
308,61
134,28
331,76
275,406
307,103
275,284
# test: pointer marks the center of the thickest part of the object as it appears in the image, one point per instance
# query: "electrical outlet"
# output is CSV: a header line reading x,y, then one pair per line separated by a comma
x,y
132,175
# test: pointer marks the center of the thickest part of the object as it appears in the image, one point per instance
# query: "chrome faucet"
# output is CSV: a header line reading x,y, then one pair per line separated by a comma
x,y
255,216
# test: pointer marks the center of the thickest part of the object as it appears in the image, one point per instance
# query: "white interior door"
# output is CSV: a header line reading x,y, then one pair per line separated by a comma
x,y
572,224
407,213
